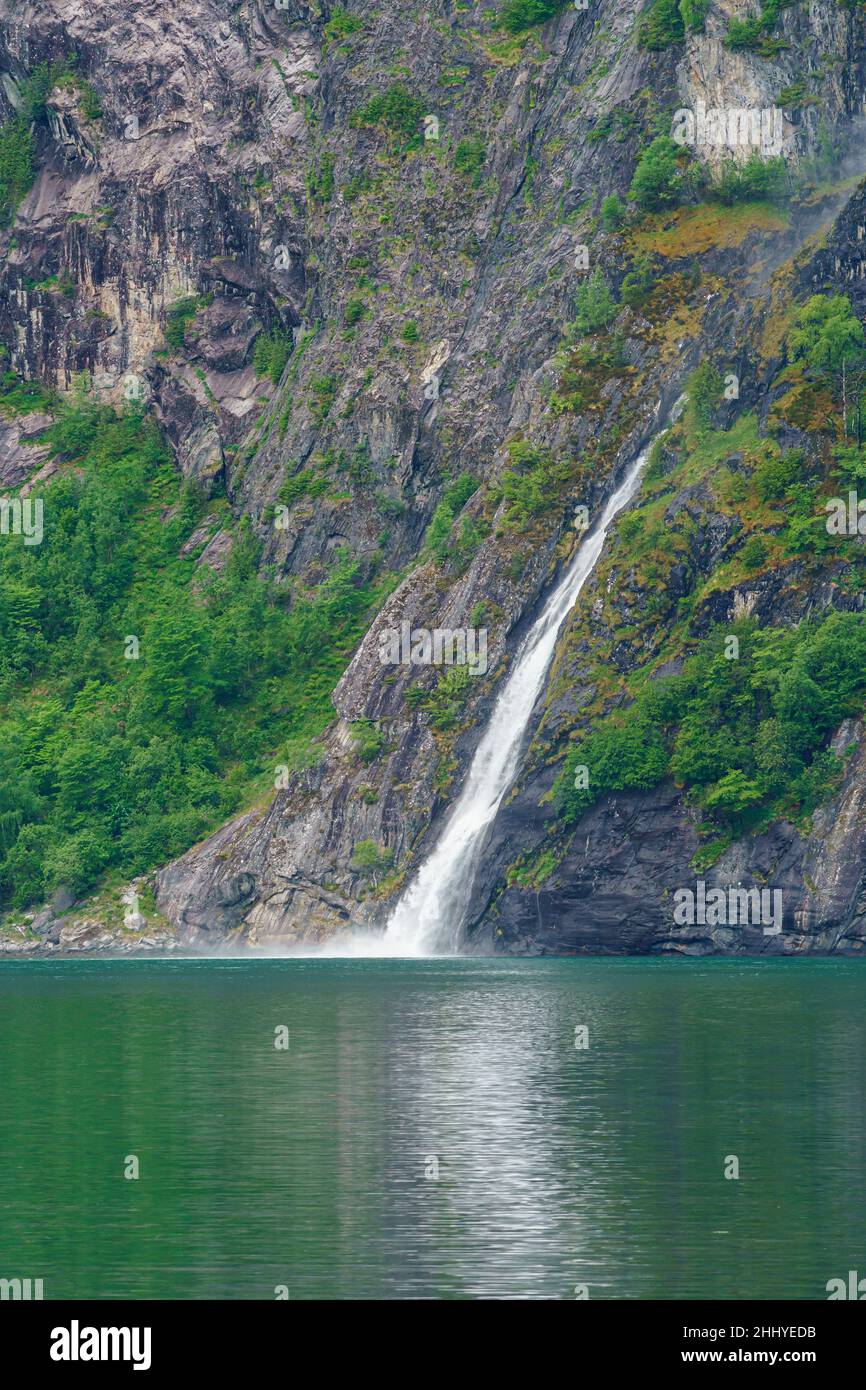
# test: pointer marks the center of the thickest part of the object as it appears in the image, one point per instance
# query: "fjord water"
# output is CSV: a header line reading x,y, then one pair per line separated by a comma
x,y
312,1168
430,914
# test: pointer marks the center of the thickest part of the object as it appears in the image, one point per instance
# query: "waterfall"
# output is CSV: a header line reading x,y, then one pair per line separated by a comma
x,y
429,917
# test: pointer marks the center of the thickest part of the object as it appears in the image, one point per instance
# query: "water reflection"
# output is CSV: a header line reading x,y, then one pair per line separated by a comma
x,y
314,1168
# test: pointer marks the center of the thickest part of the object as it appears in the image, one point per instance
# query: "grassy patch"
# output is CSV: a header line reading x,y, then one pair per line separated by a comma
x,y
689,231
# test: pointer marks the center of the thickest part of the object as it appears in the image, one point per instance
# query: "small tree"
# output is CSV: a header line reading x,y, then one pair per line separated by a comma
x,y
657,181
661,26
638,283
612,213
594,306
829,337
519,15
371,861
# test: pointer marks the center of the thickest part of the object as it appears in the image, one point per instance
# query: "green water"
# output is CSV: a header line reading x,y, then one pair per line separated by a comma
x,y
557,1167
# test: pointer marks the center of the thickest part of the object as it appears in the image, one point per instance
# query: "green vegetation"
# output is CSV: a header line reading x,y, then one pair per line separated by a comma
x,y
594,307
704,391
91,107
666,22
19,397
446,702
533,485
323,393
586,368
341,25
271,352
612,213
179,317
394,110
775,476
113,761
17,148
827,334
659,176
796,95
371,861
88,100
754,34
355,311
637,285
469,158
755,180
320,179
694,12
661,26
440,541
16,166
746,736
307,482
665,176
516,16
531,870
368,740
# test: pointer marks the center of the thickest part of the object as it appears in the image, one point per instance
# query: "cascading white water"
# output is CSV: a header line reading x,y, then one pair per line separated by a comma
x,y
429,916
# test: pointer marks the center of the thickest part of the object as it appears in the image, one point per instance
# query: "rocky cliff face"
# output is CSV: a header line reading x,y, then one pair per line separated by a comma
x,y
422,257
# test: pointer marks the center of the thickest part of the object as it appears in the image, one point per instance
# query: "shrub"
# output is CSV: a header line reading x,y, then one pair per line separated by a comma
x,y
131,761
271,352
395,110
340,26
775,476
754,180
446,701
16,166
179,317
305,483
694,12
519,15
437,541
827,333
371,861
661,26
754,33
612,213
320,180
533,485
355,310
658,180
704,390
638,283
91,107
746,738
754,553
594,306
368,740
323,394
469,158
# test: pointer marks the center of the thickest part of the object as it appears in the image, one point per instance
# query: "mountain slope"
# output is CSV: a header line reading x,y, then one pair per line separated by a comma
x,y
373,343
